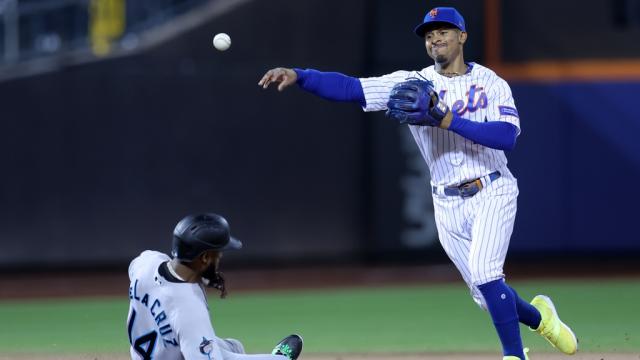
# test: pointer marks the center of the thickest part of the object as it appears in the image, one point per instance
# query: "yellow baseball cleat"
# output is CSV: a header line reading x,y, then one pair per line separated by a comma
x,y
552,328
526,356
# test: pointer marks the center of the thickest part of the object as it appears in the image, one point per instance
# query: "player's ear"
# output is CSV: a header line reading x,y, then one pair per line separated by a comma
x,y
206,257
462,37
209,257
202,259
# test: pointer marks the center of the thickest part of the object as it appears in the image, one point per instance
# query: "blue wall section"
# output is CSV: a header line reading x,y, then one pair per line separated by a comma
x,y
578,165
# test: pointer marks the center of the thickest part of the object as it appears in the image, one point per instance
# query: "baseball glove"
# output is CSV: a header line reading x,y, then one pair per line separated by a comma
x,y
416,102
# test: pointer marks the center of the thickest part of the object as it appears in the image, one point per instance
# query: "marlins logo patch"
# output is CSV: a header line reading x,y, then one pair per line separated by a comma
x,y
433,13
206,347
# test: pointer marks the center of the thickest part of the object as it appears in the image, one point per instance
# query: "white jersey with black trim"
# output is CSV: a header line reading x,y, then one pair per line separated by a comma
x,y
479,95
167,320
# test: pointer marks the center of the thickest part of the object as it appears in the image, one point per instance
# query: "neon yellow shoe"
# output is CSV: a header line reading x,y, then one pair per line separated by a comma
x,y
526,356
552,328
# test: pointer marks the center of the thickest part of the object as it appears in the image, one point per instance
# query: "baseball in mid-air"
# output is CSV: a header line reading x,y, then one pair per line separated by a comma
x,y
221,41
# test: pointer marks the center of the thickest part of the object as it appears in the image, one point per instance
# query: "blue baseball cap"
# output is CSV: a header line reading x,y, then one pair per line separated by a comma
x,y
446,15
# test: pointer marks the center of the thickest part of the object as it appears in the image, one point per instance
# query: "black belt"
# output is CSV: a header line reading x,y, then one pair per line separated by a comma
x,y
469,188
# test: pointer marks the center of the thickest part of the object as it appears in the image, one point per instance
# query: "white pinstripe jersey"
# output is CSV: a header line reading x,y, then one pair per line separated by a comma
x,y
479,95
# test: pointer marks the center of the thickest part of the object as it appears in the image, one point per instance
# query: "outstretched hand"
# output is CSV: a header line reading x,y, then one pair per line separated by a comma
x,y
286,77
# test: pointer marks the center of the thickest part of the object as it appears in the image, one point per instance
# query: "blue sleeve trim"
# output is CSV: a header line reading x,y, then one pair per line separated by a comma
x,y
332,86
494,134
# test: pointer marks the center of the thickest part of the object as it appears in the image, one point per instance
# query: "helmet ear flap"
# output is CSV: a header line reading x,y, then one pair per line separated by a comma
x,y
181,250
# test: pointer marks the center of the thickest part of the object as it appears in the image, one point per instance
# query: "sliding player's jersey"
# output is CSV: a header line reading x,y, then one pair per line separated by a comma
x,y
168,318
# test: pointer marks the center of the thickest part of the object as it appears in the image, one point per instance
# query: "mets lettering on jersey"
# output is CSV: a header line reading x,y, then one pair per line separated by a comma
x,y
476,99
480,95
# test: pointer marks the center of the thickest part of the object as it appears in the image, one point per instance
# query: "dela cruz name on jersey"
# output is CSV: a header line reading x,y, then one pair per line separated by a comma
x,y
156,311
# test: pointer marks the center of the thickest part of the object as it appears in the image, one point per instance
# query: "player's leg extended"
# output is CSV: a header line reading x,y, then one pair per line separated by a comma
x,y
552,328
228,355
494,215
231,345
288,349
527,313
452,234
541,316
452,217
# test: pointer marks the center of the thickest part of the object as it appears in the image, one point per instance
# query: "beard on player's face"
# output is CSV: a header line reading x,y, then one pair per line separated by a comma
x,y
440,59
209,261
209,271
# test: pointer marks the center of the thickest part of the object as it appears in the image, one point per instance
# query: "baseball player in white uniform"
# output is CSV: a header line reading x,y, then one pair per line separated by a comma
x,y
168,313
462,117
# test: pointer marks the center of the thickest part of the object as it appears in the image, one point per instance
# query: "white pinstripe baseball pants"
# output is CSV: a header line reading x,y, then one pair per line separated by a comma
x,y
475,231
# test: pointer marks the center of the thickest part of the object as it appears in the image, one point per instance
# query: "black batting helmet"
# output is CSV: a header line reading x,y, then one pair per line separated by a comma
x,y
198,233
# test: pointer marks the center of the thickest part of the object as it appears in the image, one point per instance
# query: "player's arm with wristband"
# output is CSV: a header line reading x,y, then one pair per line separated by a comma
x,y
415,102
494,134
503,125
335,86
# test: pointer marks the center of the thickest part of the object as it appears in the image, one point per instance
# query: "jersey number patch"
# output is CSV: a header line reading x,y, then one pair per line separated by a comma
x,y
144,344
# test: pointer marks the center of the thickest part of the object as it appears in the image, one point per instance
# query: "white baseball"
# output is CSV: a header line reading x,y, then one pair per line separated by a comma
x,y
221,41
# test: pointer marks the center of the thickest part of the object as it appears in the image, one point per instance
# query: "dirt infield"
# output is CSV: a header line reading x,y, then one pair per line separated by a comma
x,y
16,285
115,283
421,356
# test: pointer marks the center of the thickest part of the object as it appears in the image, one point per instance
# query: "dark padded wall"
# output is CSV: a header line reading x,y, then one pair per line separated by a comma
x,y
575,29
101,160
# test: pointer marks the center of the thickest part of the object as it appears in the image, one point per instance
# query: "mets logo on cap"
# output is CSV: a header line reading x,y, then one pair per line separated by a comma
x,y
434,12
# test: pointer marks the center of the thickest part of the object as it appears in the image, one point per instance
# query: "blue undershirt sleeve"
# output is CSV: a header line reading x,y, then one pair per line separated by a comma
x,y
494,134
331,85
335,86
